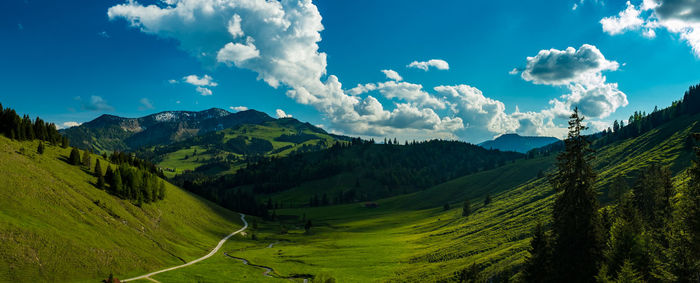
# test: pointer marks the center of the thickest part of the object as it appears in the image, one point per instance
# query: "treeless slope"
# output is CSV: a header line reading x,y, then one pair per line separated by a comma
x,y
56,226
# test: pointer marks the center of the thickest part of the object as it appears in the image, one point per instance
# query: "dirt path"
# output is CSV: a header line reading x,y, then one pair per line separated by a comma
x,y
216,249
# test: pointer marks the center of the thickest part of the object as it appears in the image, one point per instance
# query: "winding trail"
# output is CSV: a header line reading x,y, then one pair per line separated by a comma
x,y
216,249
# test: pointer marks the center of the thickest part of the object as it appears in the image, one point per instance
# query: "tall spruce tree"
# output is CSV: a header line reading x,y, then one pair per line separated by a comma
x,y
74,158
685,242
577,229
86,160
538,265
98,167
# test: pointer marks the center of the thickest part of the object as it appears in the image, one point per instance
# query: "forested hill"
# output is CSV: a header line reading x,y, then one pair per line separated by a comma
x,y
225,151
363,169
517,143
113,133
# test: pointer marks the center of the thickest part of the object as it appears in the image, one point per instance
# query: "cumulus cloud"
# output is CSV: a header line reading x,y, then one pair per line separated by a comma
x,y
392,75
205,80
432,63
70,124
681,17
627,19
403,91
281,114
96,103
561,67
238,108
145,104
203,91
581,72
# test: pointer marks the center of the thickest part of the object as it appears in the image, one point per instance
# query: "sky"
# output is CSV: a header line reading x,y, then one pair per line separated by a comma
x,y
466,70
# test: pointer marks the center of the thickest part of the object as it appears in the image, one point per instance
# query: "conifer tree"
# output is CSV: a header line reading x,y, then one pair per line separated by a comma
x,y
538,265
40,148
98,168
466,208
74,158
686,229
487,200
86,160
64,142
577,229
118,186
100,181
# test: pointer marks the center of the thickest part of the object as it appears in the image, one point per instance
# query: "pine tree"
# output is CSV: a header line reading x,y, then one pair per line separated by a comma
x,y
98,168
577,229
466,208
627,242
100,181
487,200
86,160
74,158
64,142
109,176
685,241
40,148
118,186
538,265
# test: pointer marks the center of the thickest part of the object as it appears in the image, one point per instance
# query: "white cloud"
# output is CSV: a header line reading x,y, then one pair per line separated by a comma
x,y
103,34
434,63
70,124
681,17
392,75
403,91
203,91
561,67
581,72
205,80
627,19
145,104
172,81
96,103
238,108
281,114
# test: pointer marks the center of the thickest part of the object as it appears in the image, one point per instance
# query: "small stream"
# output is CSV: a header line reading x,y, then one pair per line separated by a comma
x,y
269,272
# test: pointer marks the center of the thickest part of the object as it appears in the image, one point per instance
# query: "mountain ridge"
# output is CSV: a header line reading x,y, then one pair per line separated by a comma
x,y
517,143
110,132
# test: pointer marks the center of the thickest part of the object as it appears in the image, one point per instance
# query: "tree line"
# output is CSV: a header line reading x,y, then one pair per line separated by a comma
x,y
651,233
398,168
132,179
23,128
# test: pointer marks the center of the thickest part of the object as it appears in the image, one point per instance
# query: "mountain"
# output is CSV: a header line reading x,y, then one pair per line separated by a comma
x,y
517,143
224,151
110,133
57,226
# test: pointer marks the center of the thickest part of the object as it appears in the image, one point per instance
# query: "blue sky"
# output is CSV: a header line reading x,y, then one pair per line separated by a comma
x,y
71,61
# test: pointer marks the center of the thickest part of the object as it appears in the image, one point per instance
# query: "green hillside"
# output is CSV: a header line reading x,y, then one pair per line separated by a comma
x,y
227,150
410,238
57,226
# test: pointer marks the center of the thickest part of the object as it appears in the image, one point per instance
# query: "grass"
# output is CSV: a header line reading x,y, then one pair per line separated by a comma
x,y
409,238
56,226
267,131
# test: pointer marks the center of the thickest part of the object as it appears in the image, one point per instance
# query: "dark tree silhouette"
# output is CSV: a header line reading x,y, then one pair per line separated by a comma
x,y
577,228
